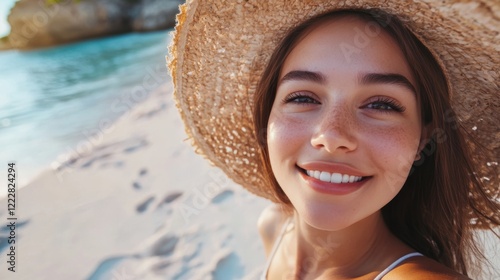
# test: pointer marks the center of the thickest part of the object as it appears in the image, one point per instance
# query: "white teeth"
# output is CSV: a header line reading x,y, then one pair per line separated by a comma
x,y
325,176
351,178
336,178
345,178
333,177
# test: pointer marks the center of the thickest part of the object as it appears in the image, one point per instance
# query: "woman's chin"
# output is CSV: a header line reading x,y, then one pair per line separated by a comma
x,y
327,219
333,218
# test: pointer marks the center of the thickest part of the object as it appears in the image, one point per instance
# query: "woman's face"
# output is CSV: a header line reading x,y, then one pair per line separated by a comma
x,y
345,127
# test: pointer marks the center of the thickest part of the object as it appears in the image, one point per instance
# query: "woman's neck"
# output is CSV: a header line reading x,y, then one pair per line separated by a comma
x,y
361,248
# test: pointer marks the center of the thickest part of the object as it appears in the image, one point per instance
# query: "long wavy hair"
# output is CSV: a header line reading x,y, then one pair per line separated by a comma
x,y
432,212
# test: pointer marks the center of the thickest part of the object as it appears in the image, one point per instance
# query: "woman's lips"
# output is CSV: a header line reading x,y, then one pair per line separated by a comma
x,y
330,184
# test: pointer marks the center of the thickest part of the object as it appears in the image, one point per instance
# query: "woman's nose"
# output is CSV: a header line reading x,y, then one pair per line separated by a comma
x,y
335,130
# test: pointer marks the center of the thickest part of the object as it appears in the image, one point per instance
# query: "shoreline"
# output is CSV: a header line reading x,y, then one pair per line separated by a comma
x,y
65,116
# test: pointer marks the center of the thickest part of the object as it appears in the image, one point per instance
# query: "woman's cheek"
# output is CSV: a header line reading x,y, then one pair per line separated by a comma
x,y
393,150
283,129
285,138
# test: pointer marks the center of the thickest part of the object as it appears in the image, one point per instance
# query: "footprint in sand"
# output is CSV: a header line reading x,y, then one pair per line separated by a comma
x,y
161,266
165,246
136,184
117,164
4,240
169,198
19,224
107,269
143,206
103,154
222,196
136,146
94,159
153,112
228,267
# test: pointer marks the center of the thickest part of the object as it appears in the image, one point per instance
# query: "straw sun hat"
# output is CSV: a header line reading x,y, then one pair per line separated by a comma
x,y
220,48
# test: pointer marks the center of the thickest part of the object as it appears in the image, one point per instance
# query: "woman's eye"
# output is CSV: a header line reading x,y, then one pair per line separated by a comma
x,y
300,98
384,104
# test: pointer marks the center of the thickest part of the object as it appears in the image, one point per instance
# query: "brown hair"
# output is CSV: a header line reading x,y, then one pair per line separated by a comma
x,y
432,212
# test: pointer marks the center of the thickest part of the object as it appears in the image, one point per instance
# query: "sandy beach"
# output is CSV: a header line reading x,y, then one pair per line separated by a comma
x,y
140,204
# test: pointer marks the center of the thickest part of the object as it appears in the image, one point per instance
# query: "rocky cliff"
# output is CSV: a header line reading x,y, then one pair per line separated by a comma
x,y
44,23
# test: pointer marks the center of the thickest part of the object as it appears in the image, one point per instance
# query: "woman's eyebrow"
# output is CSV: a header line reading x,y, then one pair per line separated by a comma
x,y
368,78
386,78
302,75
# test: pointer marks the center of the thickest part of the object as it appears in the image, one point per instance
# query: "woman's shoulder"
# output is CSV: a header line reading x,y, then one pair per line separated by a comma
x,y
424,268
270,222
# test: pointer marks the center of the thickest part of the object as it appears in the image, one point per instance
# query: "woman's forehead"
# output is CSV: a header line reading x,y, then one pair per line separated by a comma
x,y
347,45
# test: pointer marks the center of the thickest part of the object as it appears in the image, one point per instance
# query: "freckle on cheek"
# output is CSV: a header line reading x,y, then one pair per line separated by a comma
x,y
395,148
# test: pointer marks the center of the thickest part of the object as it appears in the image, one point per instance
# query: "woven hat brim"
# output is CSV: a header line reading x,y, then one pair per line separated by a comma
x,y
220,49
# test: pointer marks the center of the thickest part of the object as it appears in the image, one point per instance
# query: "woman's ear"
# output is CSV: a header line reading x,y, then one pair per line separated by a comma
x,y
424,139
417,157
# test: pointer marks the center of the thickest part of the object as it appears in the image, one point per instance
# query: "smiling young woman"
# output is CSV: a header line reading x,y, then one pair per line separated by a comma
x,y
333,117
354,134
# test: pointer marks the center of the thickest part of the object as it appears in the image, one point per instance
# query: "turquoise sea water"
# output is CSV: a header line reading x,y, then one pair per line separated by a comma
x,y
52,98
